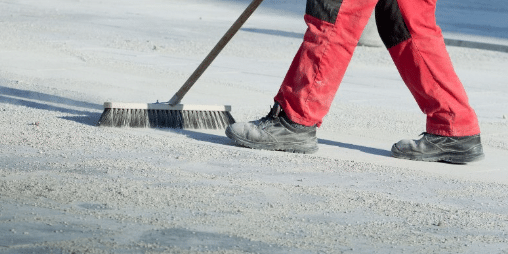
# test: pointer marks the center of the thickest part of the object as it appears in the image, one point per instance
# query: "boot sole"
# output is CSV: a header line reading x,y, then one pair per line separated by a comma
x,y
472,155
293,147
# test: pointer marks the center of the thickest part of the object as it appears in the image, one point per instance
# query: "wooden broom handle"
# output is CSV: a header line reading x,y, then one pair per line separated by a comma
x,y
215,51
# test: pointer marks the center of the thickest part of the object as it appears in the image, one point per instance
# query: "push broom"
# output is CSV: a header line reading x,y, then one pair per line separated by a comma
x,y
171,114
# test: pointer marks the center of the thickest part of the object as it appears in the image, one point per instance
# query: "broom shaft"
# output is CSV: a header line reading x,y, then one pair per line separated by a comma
x,y
215,52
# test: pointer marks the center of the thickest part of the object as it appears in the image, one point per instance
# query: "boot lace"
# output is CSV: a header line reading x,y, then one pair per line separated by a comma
x,y
271,116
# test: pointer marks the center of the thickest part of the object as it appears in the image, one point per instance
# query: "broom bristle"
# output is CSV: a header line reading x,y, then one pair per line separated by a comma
x,y
160,115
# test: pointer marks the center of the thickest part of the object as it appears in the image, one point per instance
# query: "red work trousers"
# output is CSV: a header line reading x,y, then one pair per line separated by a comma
x,y
409,31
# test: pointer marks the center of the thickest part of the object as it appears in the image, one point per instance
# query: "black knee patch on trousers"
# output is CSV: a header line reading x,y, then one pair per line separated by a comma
x,y
325,10
390,23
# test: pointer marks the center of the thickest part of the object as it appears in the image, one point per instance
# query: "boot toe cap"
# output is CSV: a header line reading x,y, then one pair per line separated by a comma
x,y
247,131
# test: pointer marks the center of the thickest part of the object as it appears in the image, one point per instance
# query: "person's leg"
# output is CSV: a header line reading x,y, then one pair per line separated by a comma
x,y
409,30
310,85
305,96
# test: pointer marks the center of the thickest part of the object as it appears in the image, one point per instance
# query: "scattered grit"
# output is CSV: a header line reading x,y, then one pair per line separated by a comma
x,y
70,186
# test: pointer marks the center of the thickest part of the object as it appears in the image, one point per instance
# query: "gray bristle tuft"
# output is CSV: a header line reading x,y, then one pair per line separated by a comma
x,y
176,119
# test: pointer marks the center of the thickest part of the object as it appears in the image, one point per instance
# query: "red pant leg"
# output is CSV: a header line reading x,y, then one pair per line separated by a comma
x,y
425,67
414,42
334,28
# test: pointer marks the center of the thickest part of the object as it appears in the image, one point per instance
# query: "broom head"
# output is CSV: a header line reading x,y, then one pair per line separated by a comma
x,y
162,115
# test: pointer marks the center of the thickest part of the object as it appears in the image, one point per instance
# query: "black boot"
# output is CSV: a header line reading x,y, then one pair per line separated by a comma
x,y
275,132
440,148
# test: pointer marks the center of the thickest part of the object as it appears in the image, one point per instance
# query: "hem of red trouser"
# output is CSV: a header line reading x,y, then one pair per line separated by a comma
x,y
432,129
294,116
446,131
454,135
